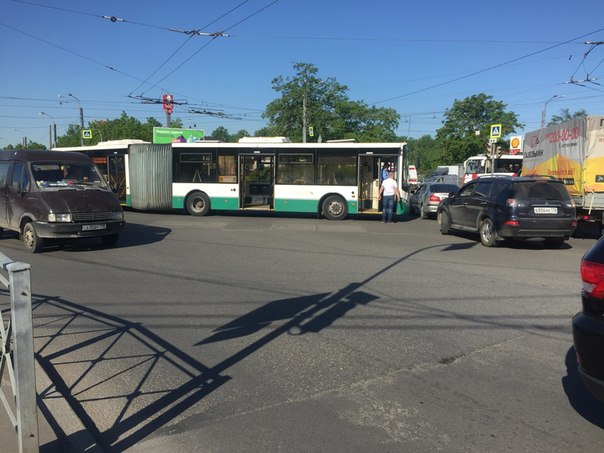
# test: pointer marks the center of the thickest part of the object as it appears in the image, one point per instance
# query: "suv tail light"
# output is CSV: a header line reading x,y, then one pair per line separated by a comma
x,y
511,202
592,275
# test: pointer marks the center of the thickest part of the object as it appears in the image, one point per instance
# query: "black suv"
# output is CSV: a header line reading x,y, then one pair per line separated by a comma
x,y
502,207
588,325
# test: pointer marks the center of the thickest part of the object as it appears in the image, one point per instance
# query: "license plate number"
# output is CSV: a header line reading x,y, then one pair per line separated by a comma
x,y
543,210
96,226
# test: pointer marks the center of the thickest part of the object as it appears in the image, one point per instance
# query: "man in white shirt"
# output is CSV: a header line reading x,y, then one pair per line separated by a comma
x,y
389,190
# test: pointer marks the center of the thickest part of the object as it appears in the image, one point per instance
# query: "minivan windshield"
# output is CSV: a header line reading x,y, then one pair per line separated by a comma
x,y
66,174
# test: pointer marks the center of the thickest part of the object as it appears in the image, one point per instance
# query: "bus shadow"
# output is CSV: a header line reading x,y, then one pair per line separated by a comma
x,y
125,402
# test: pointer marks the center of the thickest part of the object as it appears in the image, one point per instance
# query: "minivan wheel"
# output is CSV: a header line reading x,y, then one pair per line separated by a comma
x,y
488,237
29,238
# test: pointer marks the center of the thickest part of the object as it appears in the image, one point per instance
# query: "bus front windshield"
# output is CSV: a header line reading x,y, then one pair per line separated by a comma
x,y
65,174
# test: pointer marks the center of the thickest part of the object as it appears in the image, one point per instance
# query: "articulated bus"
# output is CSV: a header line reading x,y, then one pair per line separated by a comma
x,y
334,179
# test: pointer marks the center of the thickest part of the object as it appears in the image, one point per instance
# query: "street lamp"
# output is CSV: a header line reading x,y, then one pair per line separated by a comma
x,y
545,107
53,128
81,116
24,141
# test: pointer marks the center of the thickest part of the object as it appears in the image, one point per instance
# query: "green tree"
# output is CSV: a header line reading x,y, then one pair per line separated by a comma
x,y
328,110
466,128
424,153
239,134
124,127
565,115
29,145
220,133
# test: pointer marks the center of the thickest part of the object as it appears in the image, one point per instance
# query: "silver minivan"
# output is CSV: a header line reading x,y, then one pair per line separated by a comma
x,y
52,195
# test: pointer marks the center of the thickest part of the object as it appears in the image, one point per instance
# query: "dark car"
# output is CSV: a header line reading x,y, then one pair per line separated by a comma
x,y
506,207
56,195
588,325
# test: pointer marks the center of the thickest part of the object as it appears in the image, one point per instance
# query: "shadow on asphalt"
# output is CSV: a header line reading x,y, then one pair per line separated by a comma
x,y
133,235
125,382
579,397
120,409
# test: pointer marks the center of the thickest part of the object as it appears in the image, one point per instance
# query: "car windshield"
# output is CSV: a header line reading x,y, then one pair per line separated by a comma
x,y
443,188
540,191
65,174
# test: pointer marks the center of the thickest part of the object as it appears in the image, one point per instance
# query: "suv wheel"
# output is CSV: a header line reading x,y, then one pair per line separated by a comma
x,y
488,237
444,221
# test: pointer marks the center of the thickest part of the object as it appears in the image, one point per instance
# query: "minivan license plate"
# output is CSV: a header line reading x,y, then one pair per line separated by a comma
x,y
97,226
544,210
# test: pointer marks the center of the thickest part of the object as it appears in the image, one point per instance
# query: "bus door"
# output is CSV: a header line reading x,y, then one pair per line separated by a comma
x,y
256,181
116,175
370,179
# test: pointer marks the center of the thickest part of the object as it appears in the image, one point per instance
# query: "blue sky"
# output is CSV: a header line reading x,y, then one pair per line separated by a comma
x,y
415,57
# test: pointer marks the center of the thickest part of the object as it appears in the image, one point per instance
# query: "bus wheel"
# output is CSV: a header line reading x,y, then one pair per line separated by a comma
x,y
198,204
30,239
334,208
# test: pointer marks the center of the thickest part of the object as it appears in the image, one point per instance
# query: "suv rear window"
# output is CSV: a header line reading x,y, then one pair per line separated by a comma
x,y
537,191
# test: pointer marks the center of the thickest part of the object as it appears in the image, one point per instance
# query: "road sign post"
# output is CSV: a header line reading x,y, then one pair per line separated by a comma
x,y
494,137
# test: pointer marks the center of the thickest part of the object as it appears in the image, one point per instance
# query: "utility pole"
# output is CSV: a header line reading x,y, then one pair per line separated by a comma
x,y
545,107
304,117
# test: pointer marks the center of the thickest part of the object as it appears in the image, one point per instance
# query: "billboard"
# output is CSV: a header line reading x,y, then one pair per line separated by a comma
x,y
176,135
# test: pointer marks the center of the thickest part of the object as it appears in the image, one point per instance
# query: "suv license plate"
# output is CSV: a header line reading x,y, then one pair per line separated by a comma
x,y
542,210
97,226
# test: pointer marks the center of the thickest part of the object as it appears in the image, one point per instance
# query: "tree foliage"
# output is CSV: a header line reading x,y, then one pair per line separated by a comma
x,y
124,127
28,145
466,128
221,133
329,111
565,115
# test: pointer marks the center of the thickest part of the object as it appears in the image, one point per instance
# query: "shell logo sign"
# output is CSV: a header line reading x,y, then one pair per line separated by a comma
x,y
516,144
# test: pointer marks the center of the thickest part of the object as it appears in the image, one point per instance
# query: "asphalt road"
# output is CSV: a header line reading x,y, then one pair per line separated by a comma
x,y
235,333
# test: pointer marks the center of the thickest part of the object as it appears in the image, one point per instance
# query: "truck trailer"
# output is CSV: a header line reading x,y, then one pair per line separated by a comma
x,y
572,151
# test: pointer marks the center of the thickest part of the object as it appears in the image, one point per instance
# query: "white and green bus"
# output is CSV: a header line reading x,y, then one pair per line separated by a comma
x,y
333,179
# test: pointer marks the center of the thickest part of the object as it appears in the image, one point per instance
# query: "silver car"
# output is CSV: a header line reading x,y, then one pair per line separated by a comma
x,y
426,198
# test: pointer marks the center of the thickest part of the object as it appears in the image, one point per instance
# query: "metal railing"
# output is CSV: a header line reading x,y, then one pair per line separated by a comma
x,y
17,355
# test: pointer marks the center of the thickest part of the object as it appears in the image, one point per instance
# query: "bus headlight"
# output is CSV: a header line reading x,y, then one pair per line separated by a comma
x,y
117,215
55,217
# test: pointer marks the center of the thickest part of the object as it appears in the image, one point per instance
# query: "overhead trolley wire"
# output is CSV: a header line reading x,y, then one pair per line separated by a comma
x,y
487,69
213,38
